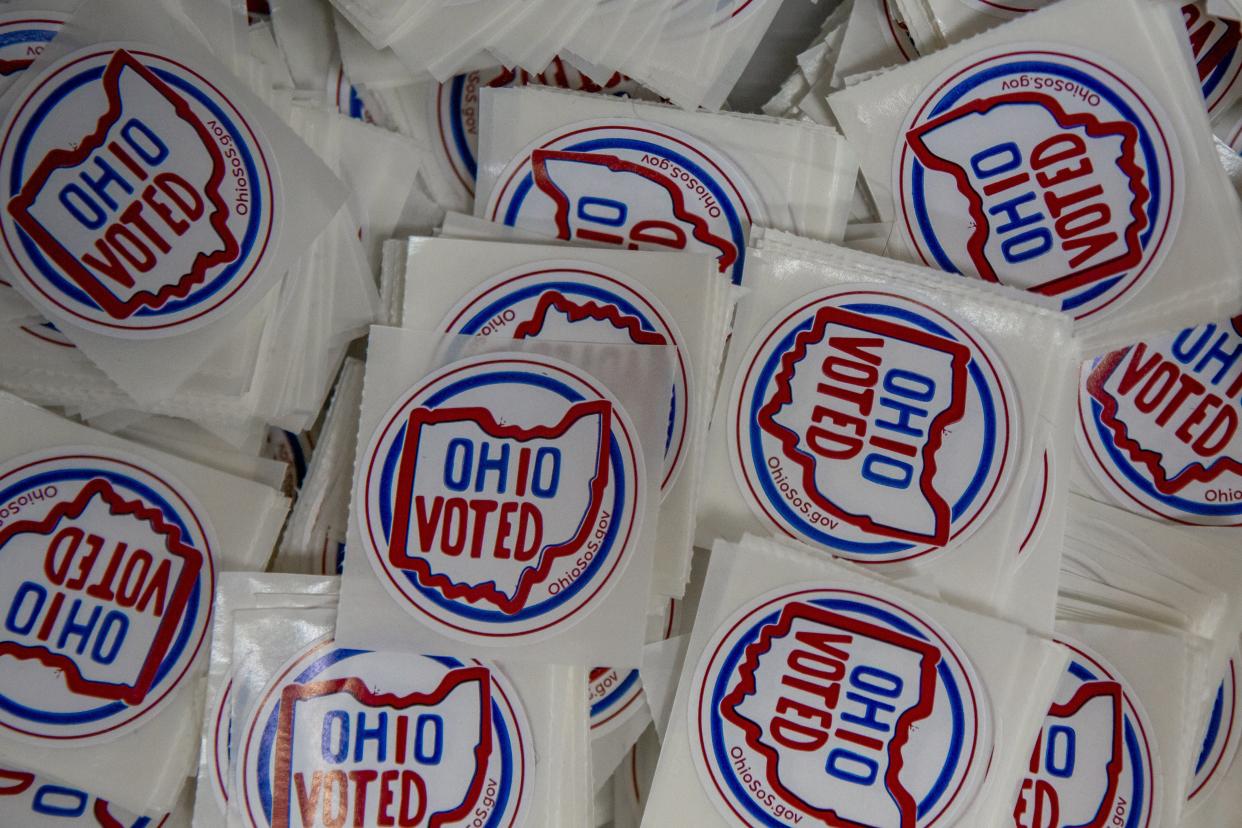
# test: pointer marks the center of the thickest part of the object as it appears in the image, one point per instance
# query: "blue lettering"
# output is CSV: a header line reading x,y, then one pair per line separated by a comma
x,y
898,477
546,478
107,176
19,600
1061,763
114,620
996,160
82,207
436,725
338,754
910,385
150,149
851,767
458,463
1028,245
1186,355
377,734
606,211
1226,357
500,465
53,800
876,681
870,710
905,413
1016,220
73,627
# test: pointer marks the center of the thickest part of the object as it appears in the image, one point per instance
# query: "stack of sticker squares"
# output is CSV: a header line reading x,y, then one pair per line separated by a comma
x,y
476,414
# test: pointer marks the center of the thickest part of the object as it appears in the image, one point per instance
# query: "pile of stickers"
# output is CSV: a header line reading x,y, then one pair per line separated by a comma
x,y
474,414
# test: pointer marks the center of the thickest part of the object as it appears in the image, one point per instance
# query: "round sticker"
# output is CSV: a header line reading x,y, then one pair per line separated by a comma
x,y
633,184
353,737
456,107
1041,169
1215,43
580,302
1092,764
141,200
837,707
23,37
872,425
106,583
502,497
1221,734
1158,424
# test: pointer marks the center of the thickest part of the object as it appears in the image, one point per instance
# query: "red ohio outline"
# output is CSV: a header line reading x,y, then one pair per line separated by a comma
x,y
543,180
177,600
959,355
282,775
1087,693
19,206
398,554
929,655
1093,127
579,311
1149,459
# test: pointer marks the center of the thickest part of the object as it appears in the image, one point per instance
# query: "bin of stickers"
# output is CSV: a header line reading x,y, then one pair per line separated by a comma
x,y
978,156
506,497
109,554
237,591
692,181
931,707
892,416
386,738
